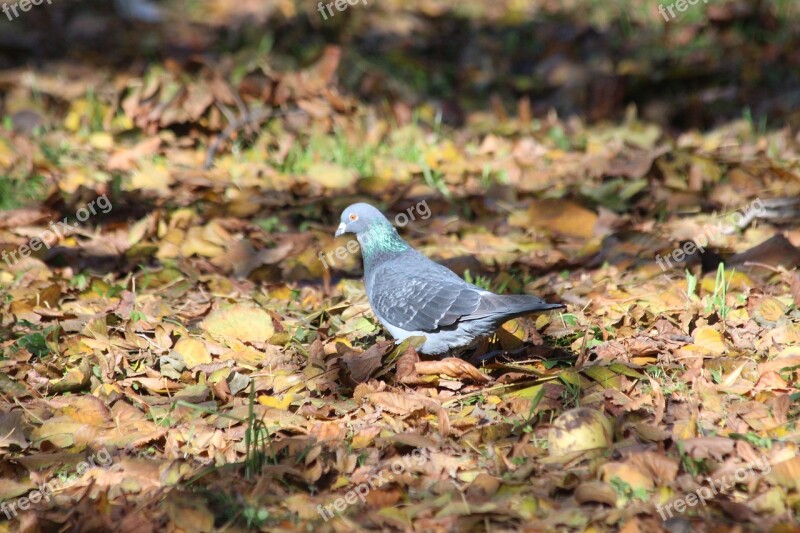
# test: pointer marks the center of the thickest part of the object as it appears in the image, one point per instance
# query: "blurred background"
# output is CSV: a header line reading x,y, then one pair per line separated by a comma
x,y
713,62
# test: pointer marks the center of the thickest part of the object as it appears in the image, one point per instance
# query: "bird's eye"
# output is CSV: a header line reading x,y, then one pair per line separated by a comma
x,y
353,217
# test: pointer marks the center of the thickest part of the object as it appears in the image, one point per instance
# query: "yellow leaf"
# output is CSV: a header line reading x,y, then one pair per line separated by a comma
x,y
7,154
710,339
364,438
150,176
734,280
10,488
240,322
786,473
685,429
557,216
196,243
493,400
74,379
769,310
87,410
193,352
627,473
63,432
331,175
101,140
79,109
277,403
283,293
106,389
244,354
73,180
340,482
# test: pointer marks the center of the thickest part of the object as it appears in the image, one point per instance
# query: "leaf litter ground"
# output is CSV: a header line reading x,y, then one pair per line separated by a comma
x,y
193,333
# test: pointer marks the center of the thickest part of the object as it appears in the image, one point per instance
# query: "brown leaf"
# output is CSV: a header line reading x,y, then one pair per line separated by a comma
x,y
794,286
659,467
360,367
769,381
126,159
774,252
12,430
75,379
246,264
23,216
634,166
198,99
414,440
738,511
86,409
658,401
452,367
627,472
189,513
786,473
10,488
407,372
402,404
708,447
558,216
384,498
483,486
596,492
444,422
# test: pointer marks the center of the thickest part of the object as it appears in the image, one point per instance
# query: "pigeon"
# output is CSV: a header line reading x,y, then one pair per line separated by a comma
x,y
414,296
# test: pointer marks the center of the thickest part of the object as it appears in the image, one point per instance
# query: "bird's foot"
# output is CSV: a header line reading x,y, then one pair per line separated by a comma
x,y
478,357
528,352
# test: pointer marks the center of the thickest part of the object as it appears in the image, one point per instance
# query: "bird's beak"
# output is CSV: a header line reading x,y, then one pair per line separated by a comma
x,y
341,229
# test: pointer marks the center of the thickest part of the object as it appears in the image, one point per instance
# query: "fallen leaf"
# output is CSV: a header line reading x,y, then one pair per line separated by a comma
x,y
239,322
401,404
558,216
193,352
331,175
360,367
452,367
710,340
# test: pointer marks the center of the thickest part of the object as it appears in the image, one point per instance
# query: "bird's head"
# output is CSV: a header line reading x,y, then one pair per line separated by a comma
x,y
359,218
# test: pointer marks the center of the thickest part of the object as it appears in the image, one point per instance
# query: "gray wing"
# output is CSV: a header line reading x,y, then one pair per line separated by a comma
x,y
423,301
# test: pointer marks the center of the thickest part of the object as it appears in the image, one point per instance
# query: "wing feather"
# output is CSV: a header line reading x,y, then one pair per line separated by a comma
x,y
424,301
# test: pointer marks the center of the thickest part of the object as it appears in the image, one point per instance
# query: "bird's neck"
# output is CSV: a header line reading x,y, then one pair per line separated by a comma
x,y
381,240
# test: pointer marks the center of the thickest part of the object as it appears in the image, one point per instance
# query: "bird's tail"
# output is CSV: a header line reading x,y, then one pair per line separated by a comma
x,y
506,307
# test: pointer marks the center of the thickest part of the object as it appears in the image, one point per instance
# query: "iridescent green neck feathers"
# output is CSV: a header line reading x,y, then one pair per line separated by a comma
x,y
381,238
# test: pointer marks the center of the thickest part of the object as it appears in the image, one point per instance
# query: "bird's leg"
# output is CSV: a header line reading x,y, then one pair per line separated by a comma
x,y
481,346
477,346
478,357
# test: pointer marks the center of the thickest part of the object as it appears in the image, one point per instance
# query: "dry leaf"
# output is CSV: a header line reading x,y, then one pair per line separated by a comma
x,y
193,352
452,367
360,367
239,322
